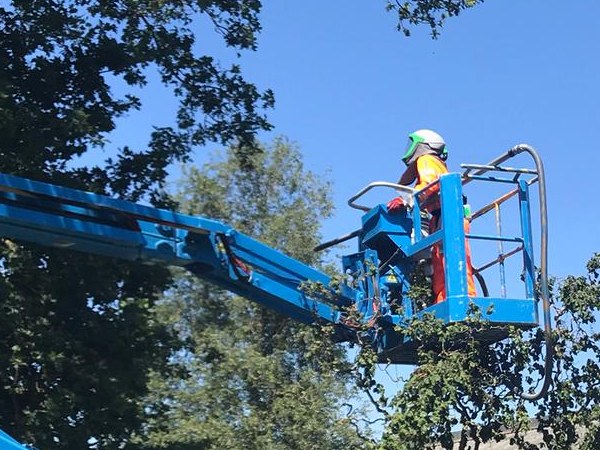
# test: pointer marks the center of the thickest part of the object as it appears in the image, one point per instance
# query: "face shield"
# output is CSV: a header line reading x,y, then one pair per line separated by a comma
x,y
411,146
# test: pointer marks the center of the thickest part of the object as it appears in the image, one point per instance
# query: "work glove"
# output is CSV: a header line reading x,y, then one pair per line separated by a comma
x,y
395,205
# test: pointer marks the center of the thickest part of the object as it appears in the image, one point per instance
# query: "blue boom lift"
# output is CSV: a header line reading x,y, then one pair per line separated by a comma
x,y
389,246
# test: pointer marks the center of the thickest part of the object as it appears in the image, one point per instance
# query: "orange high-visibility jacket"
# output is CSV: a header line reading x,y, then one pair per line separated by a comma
x,y
426,170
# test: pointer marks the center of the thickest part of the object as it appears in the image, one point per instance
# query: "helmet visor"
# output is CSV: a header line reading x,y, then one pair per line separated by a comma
x,y
411,146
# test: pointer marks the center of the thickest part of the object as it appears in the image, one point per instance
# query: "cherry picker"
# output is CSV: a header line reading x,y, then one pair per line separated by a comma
x,y
389,247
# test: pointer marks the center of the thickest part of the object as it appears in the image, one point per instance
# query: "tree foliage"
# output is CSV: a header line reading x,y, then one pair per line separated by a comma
x,y
76,341
78,334
474,389
60,61
432,13
253,379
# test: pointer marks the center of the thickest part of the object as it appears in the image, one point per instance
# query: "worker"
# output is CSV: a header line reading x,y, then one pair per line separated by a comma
x,y
425,158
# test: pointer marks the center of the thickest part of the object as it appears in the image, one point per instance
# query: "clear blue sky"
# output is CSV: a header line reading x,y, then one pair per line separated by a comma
x,y
349,88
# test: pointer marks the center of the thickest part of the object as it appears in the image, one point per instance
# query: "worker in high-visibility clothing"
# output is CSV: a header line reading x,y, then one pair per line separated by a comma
x,y
425,158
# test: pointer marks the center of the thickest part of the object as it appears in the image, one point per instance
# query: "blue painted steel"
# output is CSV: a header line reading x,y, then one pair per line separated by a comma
x,y
425,243
498,310
399,247
256,253
288,300
83,221
97,203
385,232
8,443
528,259
453,241
485,237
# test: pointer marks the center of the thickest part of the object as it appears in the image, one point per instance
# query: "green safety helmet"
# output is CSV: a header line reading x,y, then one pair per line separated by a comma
x,y
423,142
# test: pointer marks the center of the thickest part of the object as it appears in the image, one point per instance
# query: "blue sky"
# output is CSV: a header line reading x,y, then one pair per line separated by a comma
x,y
349,88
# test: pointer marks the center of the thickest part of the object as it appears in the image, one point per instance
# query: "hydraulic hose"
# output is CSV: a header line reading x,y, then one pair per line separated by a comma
x,y
482,283
544,293
339,240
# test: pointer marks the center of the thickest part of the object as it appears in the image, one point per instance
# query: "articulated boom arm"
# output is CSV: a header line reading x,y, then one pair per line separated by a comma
x,y
379,274
61,217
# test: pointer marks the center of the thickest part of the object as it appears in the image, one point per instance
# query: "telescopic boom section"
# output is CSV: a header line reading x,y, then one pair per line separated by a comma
x,y
67,218
8,443
56,216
